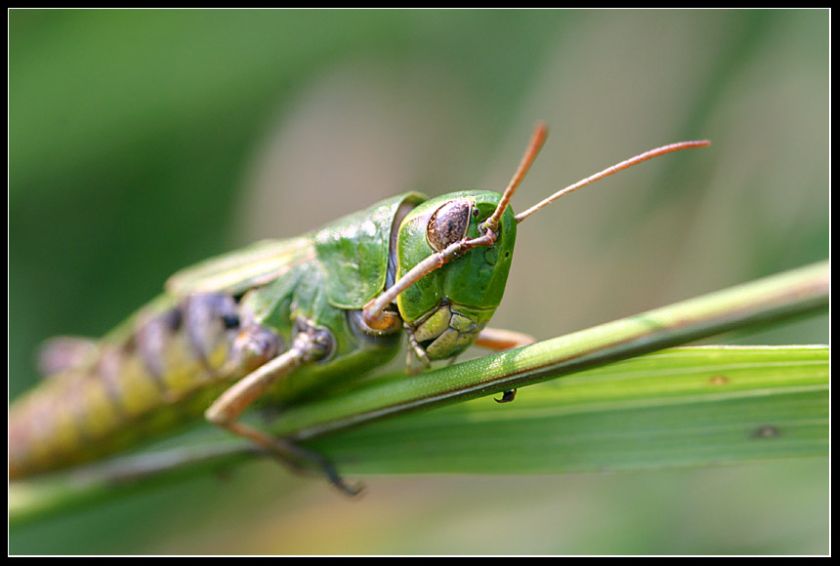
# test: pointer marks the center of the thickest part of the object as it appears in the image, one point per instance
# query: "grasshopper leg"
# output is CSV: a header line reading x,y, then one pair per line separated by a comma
x,y
498,339
309,345
416,358
291,455
507,396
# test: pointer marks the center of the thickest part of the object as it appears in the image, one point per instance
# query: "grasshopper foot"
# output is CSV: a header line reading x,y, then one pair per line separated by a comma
x,y
282,449
507,396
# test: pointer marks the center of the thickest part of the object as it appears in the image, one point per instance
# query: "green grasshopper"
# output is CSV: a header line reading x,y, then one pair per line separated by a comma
x,y
279,319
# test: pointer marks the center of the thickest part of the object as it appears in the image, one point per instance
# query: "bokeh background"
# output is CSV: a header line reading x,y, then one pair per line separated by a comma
x,y
143,141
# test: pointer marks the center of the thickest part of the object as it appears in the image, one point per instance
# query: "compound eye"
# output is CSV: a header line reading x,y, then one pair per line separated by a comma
x,y
449,224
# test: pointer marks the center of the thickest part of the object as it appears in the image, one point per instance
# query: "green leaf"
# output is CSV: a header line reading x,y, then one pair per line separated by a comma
x,y
678,407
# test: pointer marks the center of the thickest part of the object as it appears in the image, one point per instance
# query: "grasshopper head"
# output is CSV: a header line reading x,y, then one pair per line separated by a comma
x,y
449,306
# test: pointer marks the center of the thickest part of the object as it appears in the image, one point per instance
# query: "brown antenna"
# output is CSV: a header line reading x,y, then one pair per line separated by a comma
x,y
537,141
374,313
679,146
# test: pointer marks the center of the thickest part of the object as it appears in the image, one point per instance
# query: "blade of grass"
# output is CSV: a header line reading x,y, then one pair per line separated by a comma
x,y
774,298
786,405
678,407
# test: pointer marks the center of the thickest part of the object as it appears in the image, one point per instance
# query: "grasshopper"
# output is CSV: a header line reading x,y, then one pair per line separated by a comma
x,y
279,319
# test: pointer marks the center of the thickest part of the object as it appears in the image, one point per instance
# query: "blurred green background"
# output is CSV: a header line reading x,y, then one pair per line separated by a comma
x,y
143,141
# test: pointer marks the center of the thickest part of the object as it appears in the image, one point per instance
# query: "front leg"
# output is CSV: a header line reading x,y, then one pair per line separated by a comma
x,y
416,359
498,339
309,345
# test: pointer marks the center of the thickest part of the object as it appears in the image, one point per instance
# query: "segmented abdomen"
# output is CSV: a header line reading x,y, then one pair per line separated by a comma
x,y
168,368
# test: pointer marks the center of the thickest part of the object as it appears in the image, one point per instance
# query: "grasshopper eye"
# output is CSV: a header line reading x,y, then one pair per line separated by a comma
x,y
449,223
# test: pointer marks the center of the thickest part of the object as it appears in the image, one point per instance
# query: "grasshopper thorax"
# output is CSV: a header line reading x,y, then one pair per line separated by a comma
x,y
448,307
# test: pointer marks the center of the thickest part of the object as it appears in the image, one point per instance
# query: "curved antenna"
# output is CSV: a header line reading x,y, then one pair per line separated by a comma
x,y
537,140
670,148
